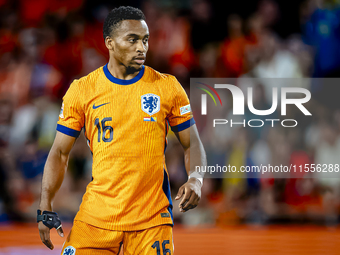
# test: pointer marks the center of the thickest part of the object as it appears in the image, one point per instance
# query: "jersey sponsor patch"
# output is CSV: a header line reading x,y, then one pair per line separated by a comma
x,y
61,114
151,103
69,250
185,109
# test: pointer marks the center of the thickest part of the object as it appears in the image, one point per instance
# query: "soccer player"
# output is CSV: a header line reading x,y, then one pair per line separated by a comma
x,y
126,109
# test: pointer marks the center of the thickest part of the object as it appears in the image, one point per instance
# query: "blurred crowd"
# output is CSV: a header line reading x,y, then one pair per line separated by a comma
x,y
45,45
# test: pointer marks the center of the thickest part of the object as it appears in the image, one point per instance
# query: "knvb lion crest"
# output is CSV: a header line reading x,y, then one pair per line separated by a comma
x,y
151,103
69,250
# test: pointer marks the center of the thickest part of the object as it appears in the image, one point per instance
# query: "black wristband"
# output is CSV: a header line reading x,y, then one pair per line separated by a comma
x,y
50,219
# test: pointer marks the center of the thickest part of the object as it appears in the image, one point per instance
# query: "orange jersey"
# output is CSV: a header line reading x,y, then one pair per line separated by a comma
x,y
126,124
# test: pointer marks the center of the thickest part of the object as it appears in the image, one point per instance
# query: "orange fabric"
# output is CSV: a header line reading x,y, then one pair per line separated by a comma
x,y
130,188
85,239
149,241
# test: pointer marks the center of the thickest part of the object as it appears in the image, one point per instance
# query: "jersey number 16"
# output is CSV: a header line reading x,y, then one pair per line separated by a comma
x,y
103,129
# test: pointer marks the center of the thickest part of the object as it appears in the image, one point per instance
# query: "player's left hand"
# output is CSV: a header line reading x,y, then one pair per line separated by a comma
x,y
192,194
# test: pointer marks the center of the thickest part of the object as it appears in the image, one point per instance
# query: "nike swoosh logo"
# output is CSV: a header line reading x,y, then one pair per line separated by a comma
x,y
96,107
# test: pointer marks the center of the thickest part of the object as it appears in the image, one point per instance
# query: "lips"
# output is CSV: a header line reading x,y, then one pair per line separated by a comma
x,y
139,60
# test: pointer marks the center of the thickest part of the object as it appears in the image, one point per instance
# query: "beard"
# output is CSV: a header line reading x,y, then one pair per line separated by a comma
x,y
132,69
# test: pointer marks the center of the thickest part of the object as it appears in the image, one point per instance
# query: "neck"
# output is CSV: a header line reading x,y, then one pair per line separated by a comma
x,y
120,71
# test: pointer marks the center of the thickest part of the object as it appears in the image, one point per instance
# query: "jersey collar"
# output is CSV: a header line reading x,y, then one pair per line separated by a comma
x,y
120,81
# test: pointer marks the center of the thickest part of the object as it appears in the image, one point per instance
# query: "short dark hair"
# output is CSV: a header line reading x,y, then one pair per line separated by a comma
x,y
119,14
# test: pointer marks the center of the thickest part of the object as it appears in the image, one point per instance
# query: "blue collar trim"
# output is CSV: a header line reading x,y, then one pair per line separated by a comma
x,y
120,81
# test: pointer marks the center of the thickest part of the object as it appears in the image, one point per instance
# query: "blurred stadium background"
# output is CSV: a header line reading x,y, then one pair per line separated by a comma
x,y
44,45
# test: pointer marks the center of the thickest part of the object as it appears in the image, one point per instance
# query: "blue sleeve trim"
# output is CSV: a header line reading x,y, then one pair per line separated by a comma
x,y
68,131
183,125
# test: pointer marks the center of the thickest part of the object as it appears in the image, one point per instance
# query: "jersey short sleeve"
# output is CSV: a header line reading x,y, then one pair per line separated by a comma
x,y
71,117
180,116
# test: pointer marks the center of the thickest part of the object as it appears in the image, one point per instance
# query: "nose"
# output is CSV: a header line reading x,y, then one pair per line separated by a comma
x,y
141,47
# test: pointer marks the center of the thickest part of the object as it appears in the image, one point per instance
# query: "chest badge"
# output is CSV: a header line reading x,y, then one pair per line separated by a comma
x,y
150,103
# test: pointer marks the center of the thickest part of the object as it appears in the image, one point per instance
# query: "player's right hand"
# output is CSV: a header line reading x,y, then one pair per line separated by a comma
x,y
191,193
44,233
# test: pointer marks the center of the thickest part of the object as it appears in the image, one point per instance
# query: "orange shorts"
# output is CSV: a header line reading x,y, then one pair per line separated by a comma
x,y
85,239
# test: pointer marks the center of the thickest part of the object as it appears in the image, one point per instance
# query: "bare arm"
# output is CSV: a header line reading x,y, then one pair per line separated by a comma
x,y
191,190
54,171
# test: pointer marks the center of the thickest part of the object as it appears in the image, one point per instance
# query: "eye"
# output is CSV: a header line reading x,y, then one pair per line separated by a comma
x,y
145,40
132,40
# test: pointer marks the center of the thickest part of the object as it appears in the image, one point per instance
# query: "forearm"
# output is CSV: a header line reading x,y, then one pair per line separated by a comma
x,y
54,171
194,155
197,158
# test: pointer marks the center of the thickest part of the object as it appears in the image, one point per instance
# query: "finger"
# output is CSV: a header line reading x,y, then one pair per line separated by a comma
x,y
185,198
42,230
47,240
180,193
41,236
189,208
60,231
196,201
190,202
181,206
49,245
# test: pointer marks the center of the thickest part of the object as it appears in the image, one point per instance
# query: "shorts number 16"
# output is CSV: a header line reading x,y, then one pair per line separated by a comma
x,y
158,249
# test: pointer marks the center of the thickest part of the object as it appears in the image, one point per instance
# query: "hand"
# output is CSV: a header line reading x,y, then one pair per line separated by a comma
x,y
192,194
45,234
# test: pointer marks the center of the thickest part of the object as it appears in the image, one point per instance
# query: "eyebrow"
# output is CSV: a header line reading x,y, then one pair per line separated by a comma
x,y
135,35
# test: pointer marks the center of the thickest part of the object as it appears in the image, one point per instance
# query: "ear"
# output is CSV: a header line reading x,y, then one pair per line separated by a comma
x,y
109,43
